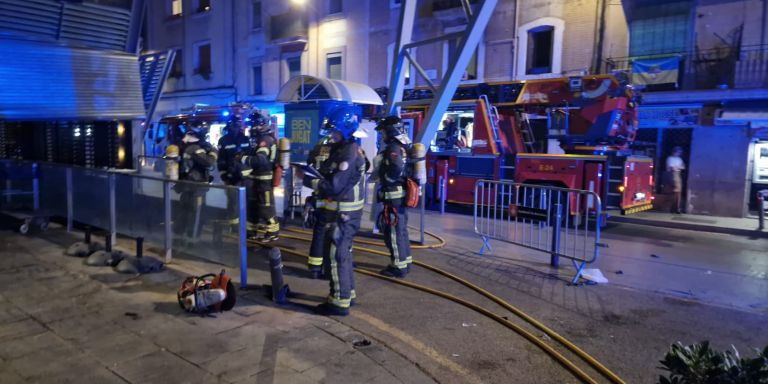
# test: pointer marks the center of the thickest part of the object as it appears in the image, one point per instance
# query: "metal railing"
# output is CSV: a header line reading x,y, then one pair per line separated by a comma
x,y
720,67
560,221
203,220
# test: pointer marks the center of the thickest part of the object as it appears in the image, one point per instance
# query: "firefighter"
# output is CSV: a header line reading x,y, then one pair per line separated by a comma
x,y
316,215
261,159
392,174
231,145
198,157
342,190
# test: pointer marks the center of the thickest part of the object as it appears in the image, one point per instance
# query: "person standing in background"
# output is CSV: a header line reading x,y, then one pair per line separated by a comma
x,y
675,168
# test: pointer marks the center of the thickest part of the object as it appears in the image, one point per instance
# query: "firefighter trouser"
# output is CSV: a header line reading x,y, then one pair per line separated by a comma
x,y
187,220
261,207
323,219
340,267
233,201
395,229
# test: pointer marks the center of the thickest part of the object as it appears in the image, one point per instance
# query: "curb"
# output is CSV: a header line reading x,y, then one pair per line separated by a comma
x,y
690,226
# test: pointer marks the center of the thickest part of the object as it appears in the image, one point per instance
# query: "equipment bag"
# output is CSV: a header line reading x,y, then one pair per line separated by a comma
x,y
207,293
411,193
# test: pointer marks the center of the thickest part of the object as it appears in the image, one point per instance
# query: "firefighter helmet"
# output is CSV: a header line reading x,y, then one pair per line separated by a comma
x,y
259,123
394,129
344,120
233,124
172,151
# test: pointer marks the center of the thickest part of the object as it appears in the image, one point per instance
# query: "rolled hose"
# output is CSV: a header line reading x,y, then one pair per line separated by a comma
x,y
440,241
610,375
583,376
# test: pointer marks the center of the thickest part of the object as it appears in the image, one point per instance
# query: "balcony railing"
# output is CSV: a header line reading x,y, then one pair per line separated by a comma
x,y
717,68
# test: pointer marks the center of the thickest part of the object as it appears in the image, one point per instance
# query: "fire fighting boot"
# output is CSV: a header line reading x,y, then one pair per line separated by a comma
x,y
391,271
327,309
316,273
270,236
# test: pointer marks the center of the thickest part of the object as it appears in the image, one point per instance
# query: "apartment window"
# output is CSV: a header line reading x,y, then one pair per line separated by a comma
x,y
256,15
175,7
177,67
660,28
333,65
540,48
450,54
257,80
203,6
334,6
294,66
203,60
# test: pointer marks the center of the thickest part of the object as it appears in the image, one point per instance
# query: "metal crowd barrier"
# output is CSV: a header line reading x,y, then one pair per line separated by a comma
x,y
204,220
560,221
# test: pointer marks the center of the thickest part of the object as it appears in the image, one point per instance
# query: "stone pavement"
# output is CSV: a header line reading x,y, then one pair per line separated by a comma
x,y
64,322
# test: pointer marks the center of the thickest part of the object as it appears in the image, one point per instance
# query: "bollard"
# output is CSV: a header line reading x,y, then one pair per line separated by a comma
x,y
108,242
139,247
87,234
554,259
279,288
441,193
760,210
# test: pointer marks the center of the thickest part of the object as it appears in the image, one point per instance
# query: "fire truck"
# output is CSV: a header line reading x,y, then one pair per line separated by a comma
x,y
572,132
170,129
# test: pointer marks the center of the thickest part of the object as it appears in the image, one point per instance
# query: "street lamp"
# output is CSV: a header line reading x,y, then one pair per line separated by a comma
x,y
299,2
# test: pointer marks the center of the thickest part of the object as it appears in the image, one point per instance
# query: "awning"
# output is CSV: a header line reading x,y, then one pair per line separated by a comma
x,y
753,117
45,81
310,88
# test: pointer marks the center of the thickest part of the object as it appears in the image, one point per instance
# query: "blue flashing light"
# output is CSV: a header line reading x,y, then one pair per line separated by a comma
x,y
599,174
225,113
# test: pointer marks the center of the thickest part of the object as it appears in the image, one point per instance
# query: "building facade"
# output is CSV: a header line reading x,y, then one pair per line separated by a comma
x,y
700,65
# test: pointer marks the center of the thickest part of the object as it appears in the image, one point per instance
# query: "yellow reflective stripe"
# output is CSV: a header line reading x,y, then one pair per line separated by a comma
x,y
315,261
273,151
263,150
262,177
246,172
335,298
267,203
394,195
409,259
351,206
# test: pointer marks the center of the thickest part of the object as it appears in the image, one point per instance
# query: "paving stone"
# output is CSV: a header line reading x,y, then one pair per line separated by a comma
x,y
23,346
78,374
311,351
352,367
280,375
9,313
116,346
160,367
18,329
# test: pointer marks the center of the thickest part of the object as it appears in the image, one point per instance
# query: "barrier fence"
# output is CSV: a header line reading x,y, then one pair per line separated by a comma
x,y
206,220
560,221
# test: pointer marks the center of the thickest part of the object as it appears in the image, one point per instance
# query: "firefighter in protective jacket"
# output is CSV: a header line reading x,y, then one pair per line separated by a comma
x,y
233,143
341,189
392,175
231,146
316,213
198,158
261,160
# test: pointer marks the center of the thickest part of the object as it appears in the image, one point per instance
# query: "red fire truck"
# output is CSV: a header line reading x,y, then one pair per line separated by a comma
x,y
570,132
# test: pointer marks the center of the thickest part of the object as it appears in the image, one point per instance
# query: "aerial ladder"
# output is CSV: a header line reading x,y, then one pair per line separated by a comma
x,y
477,20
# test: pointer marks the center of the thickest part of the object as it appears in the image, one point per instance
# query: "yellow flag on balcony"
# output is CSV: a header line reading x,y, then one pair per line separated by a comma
x,y
655,71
